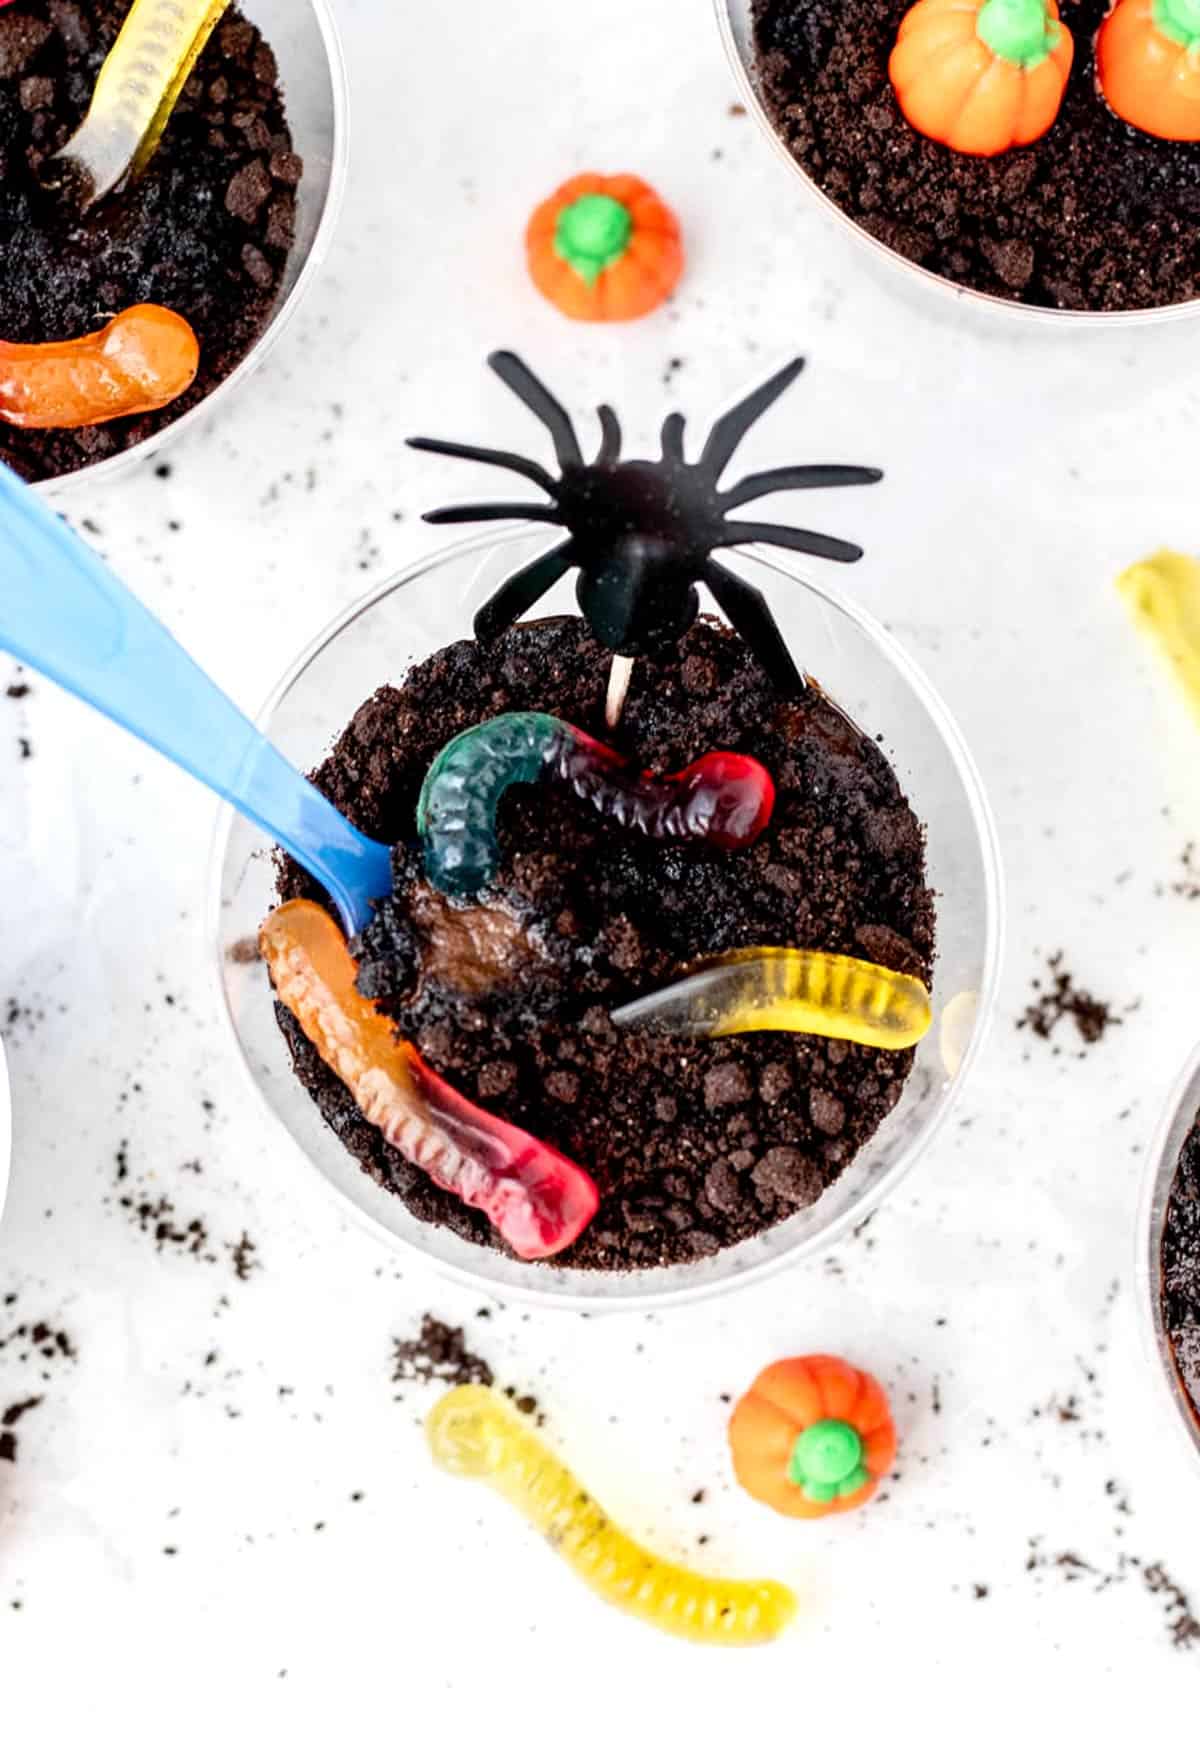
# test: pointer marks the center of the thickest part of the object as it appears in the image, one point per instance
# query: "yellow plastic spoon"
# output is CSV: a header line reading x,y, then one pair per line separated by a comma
x,y
138,87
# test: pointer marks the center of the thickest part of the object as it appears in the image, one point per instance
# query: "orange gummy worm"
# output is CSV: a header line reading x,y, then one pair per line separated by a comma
x,y
537,1200
143,359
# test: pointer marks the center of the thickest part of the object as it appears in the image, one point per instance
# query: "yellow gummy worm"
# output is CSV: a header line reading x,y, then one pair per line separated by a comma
x,y
473,1433
1163,593
138,87
790,990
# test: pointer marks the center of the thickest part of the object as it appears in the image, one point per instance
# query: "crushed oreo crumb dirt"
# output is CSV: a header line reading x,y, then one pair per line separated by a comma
x,y
206,230
438,1353
695,1144
1182,1627
525,1402
1064,999
244,1254
158,1217
154,1213
8,1421
1181,1265
37,1348
1093,216
38,1341
1187,884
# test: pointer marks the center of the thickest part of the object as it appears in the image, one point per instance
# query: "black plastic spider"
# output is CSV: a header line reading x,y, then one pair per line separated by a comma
x,y
642,534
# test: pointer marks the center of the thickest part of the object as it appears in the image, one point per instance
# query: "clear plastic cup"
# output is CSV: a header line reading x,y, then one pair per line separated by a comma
x,y
1177,1120
869,676
931,290
313,79
5,1130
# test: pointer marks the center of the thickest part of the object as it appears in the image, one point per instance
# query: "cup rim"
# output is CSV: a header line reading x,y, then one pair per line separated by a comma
x,y
1174,1122
1006,309
284,312
527,1290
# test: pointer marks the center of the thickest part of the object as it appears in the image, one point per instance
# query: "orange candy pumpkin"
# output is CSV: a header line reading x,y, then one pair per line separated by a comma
x,y
981,76
604,248
1148,64
812,1436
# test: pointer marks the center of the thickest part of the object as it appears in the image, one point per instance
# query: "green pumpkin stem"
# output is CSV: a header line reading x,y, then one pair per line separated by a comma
x,y
1179,20
593,233
1021,30
827,1460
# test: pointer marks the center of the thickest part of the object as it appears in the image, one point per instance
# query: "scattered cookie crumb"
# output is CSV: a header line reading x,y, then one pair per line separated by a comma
x,y
8,1421
244,1255
1065,999
440,1353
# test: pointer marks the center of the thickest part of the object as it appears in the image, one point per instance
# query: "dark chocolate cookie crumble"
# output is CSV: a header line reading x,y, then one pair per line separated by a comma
x,y
694,1144
206,231
1094,216
1181,1266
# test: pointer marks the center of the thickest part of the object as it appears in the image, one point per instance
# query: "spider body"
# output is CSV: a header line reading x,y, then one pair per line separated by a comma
x,y
640,538
642,534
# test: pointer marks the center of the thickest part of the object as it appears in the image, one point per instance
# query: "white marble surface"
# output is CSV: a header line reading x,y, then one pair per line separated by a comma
x,y
234,1422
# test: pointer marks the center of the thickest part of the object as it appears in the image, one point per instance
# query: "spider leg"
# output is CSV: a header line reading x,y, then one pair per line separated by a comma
x,y
672,438
494,458
493,513
802,479
610,436
747,612
521,591
732,427
516,375
798,540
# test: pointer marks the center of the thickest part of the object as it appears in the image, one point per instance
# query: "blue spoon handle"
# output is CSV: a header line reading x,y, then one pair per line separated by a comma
x,y
63,612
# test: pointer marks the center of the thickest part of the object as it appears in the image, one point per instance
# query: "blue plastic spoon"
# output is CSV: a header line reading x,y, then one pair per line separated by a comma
x,y
64,612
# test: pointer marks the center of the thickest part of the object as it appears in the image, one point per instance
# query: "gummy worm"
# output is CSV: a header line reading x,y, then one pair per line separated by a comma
x,y
473,1433
725,798
139,86
537,1200
143,359
790,990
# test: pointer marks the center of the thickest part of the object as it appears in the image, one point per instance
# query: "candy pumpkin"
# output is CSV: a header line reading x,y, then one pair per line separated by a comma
x,y
812,1436
604,248
981,76
1148,64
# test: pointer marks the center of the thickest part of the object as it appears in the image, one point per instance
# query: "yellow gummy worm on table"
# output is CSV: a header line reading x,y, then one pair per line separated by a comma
x,y
790,990
1163,593
473,1433
139,85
